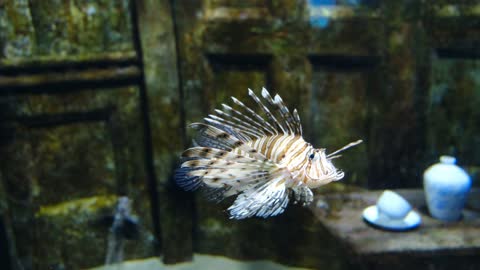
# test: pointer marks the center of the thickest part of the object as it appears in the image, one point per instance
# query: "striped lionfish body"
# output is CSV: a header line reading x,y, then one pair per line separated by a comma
x,y
259,156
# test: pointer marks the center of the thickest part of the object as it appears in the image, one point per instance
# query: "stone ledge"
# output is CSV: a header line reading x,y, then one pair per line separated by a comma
x,y
341,214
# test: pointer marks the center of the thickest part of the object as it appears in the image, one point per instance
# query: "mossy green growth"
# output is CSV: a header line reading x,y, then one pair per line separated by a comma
x,y
458,10
215,226
74,231
85,206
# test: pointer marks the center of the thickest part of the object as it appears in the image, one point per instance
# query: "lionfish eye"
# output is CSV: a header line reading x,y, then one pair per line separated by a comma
x,y
311,156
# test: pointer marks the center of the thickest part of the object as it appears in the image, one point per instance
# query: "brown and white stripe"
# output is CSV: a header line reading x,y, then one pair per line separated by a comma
x,y
261,156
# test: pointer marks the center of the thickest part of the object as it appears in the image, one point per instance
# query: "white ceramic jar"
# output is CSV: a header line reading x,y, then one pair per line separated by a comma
x,y
446,188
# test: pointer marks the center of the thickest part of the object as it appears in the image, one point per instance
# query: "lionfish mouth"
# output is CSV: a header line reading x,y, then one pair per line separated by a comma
x,y
332,175
328,172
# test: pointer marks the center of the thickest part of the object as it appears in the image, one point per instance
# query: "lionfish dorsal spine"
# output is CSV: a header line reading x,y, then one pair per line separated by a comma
x,y
213,119
297,120
287,116
269,114
246,120
268,127
283,110
244,125
231,141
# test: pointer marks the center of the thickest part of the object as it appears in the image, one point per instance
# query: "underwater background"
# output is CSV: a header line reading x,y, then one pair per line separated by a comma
x,y
95,97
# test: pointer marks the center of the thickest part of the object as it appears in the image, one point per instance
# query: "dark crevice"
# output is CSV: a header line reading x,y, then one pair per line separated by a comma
x,y
147,131
5,261
53,120
343,63
178,60
119,142
243,63
183,197
69,86
239,62
61,66
458,53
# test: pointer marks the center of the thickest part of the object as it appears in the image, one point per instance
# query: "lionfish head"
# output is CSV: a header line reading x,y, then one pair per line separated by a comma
x,y
320,169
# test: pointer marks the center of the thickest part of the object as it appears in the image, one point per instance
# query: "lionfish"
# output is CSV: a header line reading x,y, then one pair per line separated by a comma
x,y
262,159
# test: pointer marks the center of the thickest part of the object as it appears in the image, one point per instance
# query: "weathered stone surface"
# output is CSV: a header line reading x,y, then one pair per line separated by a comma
x,y
79,27
16,30
78,229
67,227
65,143
451,100
336,95
68,147
293,238
165,109
396,128
429,244
59,28
101,143
453,116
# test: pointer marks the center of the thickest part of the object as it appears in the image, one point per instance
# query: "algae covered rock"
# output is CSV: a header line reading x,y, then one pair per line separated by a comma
x,y
75,234
69,233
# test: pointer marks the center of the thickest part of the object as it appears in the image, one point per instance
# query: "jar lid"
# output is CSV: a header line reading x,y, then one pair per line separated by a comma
x,y
448,160
446,171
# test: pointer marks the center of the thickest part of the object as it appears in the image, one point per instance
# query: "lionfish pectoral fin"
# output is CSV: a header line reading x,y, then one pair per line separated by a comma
x,y
302,194
221,173
262,200
185,179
